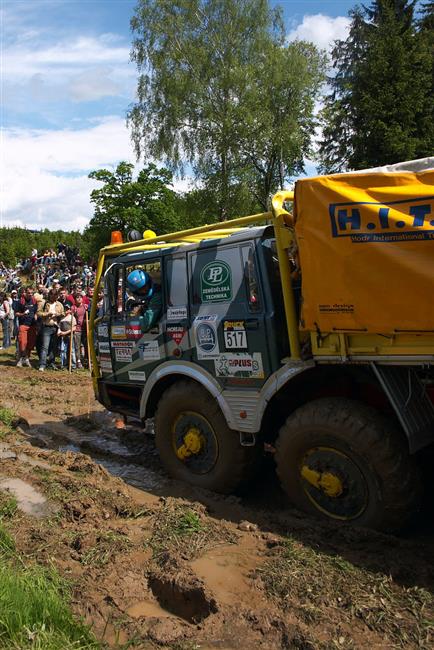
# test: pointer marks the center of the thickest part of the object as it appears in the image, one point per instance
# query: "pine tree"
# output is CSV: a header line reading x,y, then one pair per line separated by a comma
x,y
380,108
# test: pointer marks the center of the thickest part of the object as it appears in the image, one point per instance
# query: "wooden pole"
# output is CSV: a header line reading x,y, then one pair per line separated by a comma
x,y
71,343
89,360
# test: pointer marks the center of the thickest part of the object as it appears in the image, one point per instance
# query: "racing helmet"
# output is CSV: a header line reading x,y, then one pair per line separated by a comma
x,y
137,279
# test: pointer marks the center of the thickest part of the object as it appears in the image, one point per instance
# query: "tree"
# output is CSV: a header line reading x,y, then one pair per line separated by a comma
x,y
279,122
123,203
216,79
380,108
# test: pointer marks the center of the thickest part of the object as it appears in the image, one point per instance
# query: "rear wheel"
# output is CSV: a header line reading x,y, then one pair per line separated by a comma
x,y
340,459
195,443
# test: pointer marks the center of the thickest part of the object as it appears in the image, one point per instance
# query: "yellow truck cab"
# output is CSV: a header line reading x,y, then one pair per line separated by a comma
x,y
310,330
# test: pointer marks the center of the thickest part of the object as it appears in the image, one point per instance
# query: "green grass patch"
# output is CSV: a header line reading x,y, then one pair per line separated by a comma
x,y
8,420
108,545
7,416
8,506
308,582
7,544
184,529
35,613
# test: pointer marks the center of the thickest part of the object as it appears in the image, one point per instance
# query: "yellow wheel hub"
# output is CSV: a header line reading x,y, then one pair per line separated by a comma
x,y
329,483
192,444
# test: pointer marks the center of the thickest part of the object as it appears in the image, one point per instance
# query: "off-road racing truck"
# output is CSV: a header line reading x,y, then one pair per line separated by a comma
x,y
311,331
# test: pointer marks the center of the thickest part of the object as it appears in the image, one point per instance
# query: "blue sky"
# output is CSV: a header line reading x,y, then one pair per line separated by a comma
x,y
66,83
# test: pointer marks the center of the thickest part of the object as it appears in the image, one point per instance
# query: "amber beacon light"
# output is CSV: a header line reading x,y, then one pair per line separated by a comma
x,y
116,237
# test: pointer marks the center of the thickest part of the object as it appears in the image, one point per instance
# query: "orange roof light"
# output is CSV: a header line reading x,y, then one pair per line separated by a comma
x,y
116,237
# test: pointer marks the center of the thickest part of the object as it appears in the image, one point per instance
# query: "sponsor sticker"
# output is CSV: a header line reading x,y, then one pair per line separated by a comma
x,y
176,313
206,317
216,282
105,363
122,344
239,365
104,347
133,331
118,332
149,350
103,331
207,346
124,355
235,335
137,375
176,332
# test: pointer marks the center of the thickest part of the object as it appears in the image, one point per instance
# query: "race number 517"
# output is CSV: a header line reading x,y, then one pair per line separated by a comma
x,y
235,339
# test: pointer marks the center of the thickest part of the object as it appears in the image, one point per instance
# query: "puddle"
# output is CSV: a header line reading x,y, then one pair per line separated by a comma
x,y
146,608
225,570
29,500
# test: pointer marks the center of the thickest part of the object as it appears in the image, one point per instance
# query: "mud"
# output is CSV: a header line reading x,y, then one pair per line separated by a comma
x,y
245,571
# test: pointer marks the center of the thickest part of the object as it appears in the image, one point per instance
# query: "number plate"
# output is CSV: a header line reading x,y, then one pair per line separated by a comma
x,y
236,339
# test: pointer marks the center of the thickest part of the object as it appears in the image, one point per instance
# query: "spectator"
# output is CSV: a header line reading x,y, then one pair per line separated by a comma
x,y
27,327
79,312
5,309
64,334
50,313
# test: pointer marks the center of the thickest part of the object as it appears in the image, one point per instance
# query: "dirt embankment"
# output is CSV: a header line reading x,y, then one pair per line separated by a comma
x,y
158,564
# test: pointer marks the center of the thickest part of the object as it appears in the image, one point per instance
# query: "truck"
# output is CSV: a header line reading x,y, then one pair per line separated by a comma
x,y
308,329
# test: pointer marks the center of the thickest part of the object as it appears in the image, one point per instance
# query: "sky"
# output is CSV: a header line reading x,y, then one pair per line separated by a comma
x,y
66,83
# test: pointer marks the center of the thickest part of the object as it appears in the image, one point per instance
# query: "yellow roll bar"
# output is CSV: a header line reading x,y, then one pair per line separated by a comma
x,y
281,220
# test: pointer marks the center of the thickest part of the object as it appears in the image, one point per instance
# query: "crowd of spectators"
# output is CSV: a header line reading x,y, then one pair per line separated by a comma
x,y
44,307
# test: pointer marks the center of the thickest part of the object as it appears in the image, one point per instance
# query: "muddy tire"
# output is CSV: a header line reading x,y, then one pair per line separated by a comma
x,y
340,460
195,443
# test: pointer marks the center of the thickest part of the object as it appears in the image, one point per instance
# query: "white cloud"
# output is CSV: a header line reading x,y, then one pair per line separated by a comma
x,y
321,30
34,192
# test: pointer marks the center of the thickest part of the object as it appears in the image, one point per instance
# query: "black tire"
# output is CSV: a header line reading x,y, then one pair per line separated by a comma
x,y
374,481
222,464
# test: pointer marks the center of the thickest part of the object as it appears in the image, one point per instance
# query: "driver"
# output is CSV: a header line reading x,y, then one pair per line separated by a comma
x,y
147,300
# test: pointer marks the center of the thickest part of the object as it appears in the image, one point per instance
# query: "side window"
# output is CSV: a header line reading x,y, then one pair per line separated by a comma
x,y
251,278
152,267
176,282
113,282
217,276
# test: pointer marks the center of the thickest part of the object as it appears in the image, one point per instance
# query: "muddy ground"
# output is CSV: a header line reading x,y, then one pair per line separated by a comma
x,y
154,563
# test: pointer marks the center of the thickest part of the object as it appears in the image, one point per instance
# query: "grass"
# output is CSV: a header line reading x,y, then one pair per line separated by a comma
x,y
183,529
8,506
34,607
7,421
109,544
316,584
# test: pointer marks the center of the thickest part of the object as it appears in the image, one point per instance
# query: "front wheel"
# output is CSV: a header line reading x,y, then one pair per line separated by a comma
x,y
341,460
194,442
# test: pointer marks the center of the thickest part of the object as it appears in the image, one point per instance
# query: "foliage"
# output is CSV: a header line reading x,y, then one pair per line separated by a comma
x,y
380,110
123,203
204,73
35,611
17,243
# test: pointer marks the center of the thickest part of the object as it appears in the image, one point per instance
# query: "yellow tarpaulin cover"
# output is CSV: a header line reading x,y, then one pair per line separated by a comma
x,y
366,246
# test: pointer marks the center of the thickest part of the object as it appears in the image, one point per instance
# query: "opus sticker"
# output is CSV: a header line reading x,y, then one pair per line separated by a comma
x,y
176,332
149,350
176,313
234,333
206,340
216,282
118,332
103,331
137,375
239,365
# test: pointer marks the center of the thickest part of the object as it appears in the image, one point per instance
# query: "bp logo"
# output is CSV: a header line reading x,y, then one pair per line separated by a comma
x,y
216,282
206,337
